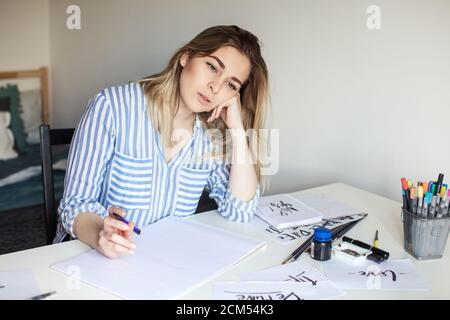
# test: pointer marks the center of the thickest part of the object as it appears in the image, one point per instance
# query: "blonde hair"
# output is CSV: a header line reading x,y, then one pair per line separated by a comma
x,y
162,90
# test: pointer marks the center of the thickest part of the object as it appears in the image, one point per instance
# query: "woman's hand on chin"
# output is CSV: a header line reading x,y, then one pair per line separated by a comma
x,y
230,112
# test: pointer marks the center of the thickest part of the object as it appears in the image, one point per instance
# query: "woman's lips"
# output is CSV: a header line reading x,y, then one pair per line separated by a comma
x,y
203,99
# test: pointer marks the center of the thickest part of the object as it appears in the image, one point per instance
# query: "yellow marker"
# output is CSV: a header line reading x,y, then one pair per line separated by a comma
x,y
420,192
375,242
443,190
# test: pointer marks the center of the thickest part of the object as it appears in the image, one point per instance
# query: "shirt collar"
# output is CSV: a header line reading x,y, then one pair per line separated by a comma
x,y
197,123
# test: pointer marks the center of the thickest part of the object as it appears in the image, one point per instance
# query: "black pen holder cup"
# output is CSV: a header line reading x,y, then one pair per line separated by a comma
x,y
425,238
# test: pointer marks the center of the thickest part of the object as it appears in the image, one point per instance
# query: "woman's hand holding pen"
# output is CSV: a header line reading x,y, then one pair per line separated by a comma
x,y
115,236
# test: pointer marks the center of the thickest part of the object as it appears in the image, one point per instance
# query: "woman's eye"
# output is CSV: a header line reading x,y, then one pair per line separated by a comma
x,y
232,86
211,67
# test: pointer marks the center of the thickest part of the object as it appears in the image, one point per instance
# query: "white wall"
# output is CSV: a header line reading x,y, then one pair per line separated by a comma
x,y
24,34
354,105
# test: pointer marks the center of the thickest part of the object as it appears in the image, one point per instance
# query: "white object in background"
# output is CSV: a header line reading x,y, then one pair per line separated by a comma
x,y
22,175
172,256
6,137
275,291
390,275
29,172
31,102
60,165
18,285
298,271
284,211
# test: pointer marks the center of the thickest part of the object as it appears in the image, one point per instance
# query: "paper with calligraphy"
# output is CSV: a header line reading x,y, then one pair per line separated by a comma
x,y
390,275
275,291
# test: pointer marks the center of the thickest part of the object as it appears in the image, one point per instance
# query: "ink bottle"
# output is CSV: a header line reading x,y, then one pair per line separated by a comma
x,y
321,244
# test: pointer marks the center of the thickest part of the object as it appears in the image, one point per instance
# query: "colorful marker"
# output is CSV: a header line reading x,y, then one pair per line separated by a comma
x,y
439,183
419,200
413,200
426,204
405,193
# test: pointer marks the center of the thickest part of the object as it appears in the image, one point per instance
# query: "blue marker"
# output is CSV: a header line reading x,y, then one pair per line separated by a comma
x,y
426,204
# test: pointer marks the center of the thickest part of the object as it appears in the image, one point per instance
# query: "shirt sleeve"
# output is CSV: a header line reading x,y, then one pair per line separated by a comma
x,y
229,206
90,152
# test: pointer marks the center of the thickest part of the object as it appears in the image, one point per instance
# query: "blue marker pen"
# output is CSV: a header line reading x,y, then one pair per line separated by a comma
x,y
426,204
120,218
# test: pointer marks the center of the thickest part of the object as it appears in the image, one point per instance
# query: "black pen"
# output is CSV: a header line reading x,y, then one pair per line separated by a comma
x,y
297,252
42,296
376,251
375,258
439,184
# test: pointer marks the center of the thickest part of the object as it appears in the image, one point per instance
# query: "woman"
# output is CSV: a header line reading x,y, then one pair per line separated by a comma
x,y
147,150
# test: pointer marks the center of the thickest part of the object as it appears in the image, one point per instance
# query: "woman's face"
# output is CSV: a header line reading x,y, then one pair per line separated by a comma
x,y
207,82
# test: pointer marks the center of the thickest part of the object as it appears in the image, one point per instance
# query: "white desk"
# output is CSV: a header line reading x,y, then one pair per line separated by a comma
x,y
384,215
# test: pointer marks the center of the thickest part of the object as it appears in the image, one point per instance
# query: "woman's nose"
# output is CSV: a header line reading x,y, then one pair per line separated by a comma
x,y
213,87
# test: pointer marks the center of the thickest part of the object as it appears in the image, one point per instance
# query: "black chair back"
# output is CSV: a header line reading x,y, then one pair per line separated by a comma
x,y
48,138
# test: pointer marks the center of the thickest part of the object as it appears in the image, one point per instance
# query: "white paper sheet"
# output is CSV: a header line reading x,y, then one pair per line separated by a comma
x,y
18,285
389,275
275,291
284,211
297,271
172,256
327,206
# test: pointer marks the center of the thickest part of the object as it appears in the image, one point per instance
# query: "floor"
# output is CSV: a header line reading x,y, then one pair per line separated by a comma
x,y
22,229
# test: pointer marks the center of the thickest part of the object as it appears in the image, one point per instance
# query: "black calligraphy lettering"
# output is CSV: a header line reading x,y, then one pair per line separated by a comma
x,y
273,230
292,296
380,274
286,236
394,276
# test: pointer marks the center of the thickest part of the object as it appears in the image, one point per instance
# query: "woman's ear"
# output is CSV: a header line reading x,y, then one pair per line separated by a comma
x,y
184,59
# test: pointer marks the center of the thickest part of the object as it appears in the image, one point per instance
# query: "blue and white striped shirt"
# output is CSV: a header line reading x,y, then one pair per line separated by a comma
x,y
117,159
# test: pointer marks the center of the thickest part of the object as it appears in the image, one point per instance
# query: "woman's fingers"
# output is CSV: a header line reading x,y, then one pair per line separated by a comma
x,y
211,117
128,234
115,243
110,224
216,112
121,242
117,210
115,236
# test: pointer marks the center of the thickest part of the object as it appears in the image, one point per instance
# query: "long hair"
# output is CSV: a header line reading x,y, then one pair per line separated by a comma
x,y
162,90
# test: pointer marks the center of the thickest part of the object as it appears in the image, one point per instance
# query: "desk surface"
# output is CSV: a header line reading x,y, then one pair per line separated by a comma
x,y
384,215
